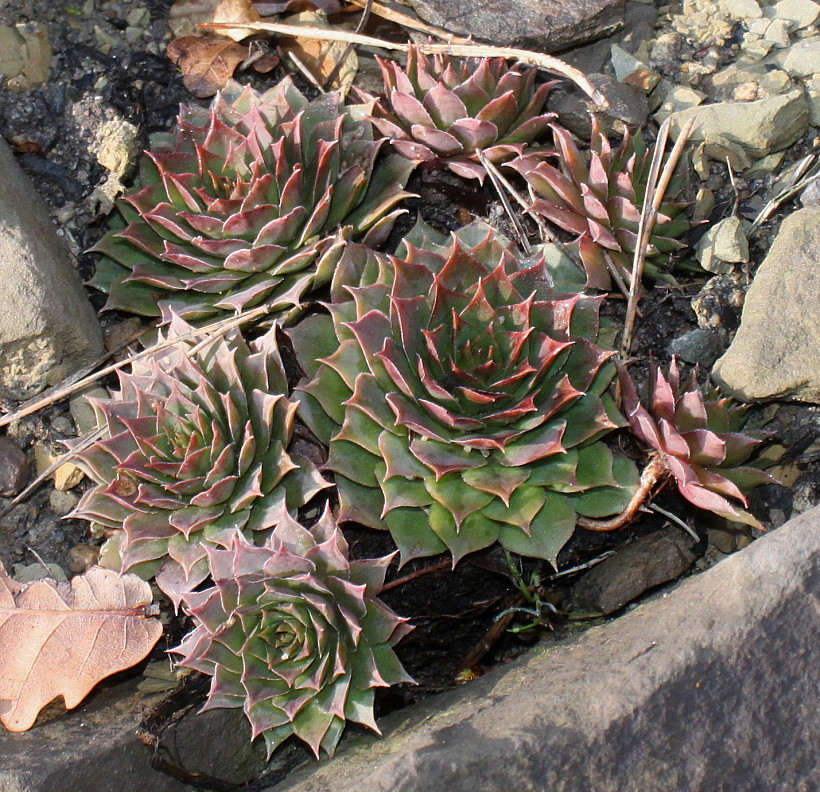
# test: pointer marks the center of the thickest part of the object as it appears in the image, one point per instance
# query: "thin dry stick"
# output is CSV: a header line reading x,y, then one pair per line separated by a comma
x,y
655,190
581,567
405,20
651,507
216,328
797,184
84,443
542,61
416,574
499,188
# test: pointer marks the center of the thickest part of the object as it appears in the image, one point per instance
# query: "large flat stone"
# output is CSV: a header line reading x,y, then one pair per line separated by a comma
x,y
776,352
712,688
93,748
47,326
542,25
758,127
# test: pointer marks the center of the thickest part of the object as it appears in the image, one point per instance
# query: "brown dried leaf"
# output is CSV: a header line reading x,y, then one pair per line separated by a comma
x,y
321,57
185,15
231,11
207,62
62,639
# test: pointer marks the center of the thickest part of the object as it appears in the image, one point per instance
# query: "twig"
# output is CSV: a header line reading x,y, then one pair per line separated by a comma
x,y
499,188
405,20
580,567
308,74
656,187
216,328
542,61
798,181
67,457
416,574
652,473
651,507
498,628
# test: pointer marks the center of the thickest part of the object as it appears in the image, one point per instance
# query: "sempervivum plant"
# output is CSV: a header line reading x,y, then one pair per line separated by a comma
x,y
449,108
697,439
600,201
293,633
463,401
239,206
194,448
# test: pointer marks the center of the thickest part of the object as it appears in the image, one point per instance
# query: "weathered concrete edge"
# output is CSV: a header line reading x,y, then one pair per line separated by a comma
x,y
651,691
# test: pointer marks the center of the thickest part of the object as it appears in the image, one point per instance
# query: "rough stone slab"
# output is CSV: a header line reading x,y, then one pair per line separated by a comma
x,y
712,688
759,127
542,25
47,326
776,352
93,748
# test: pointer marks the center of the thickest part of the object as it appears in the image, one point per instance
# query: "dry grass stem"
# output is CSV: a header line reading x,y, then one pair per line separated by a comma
x,y
405,20
656,186
651,507
90,438
807,171
505,201
216,328
542,61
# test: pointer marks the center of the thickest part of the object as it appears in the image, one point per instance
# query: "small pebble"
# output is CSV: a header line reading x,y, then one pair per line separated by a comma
x,y
62,502
82,557
14,468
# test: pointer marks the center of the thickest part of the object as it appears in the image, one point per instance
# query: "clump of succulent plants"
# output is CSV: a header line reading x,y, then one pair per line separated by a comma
x,y
194,449
292,632
463,400
240,205
447,108
600,201
696,439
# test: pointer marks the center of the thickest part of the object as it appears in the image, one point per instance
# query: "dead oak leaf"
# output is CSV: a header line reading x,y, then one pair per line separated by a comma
x,y
62,639
206,62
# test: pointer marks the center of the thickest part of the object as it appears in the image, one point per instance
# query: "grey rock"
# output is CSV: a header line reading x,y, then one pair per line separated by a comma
x,y
633,569
639,27
718,303
803,58
801,13
811,194
741,9
744,81
700,346
93,748
723,245
216,743
633,72
759,127
14,468
82,412
711,688
627,108
47,326
776,352
543,25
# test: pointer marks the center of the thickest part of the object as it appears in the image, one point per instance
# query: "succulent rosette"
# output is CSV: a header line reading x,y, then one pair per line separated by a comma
x,y
600,201
241,204
450,108
292,632
698,438
463,400
194,448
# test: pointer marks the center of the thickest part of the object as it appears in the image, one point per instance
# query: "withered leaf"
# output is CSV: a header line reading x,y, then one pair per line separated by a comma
x,y
321,58
207,62
62,639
